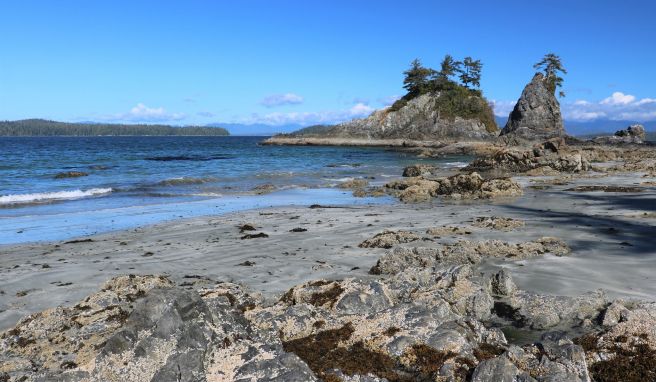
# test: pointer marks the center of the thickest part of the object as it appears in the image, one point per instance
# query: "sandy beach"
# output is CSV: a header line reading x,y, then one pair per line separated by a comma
x,y
611,236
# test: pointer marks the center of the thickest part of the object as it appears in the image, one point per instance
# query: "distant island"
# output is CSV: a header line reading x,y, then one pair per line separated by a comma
x,y
45,128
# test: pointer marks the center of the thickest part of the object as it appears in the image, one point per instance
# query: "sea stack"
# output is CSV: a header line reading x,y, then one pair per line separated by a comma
x,y
536,114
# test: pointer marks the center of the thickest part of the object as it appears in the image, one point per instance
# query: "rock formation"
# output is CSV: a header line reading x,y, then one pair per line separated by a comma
x,y
419,119
536,114
545,158
426,315
461,186
632,134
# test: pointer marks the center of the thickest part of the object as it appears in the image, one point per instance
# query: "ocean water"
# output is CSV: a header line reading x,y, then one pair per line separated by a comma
x,y
142,180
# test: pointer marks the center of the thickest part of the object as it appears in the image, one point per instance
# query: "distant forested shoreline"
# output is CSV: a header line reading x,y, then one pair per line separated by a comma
x,y
45,128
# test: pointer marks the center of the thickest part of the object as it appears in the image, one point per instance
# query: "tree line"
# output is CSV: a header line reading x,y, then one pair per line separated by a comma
x,y
41,127
420,80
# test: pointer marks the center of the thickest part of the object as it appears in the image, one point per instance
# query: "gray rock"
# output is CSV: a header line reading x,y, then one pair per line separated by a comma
x,y
543,311
419,170
365,300
614,314
501,283
499,369
536,114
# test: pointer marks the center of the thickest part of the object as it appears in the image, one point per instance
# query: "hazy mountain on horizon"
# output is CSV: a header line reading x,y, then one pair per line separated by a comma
x,y
256,128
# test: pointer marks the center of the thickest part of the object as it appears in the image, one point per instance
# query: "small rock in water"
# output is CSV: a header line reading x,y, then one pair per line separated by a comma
x,y
70,174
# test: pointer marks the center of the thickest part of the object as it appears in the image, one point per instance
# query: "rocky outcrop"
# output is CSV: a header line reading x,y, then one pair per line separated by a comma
x,y
418,120
632,134
144,328
498,223
420,170
462,186
547,158
465,252
354,184
536,114
429,316
388,239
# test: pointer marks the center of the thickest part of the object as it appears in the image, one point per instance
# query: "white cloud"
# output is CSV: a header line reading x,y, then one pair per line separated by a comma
x,y
502,108
143,113
642,116
646,101
618,98
281,99
580,115
358,110
619,106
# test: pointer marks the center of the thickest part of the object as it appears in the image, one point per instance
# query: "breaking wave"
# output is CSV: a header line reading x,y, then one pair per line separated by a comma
x,y
51,196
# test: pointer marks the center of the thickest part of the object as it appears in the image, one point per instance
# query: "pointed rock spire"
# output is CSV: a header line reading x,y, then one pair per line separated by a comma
x,y
536,114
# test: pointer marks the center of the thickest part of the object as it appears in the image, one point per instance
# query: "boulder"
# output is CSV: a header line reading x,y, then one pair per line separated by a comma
x,y
501,283
419,170
536,114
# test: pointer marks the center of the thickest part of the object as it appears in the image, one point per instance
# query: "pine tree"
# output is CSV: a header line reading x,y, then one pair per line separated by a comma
x,y
416,80
471,72
552,66
449,67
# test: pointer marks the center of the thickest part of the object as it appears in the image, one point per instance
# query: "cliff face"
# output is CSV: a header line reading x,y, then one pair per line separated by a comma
x,y
536,114
419,119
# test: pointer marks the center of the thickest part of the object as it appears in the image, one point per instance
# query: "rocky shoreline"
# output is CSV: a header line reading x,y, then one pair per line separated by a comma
x,y
422,309
427,317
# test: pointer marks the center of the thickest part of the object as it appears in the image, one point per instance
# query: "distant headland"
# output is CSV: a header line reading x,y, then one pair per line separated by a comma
x,y
46,128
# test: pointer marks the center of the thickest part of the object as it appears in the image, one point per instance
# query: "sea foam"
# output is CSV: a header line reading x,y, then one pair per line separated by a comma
x,y
47,196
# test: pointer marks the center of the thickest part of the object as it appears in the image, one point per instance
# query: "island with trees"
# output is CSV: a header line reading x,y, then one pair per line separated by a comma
x,y
46,128
444,104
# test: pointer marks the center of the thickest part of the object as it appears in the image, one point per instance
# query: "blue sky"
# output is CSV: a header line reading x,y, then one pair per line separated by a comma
x,y
280,62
